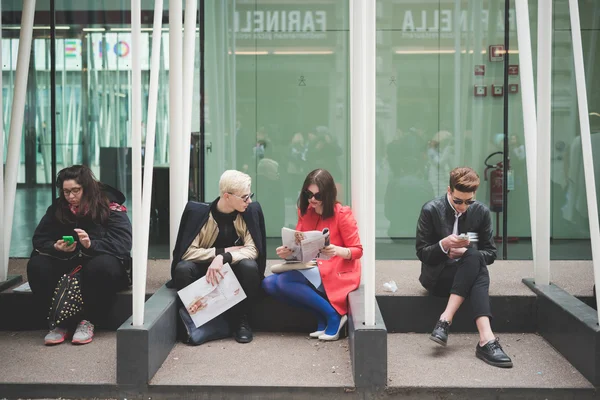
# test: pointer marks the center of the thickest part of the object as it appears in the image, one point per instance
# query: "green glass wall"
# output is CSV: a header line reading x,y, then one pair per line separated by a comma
x,y
276,105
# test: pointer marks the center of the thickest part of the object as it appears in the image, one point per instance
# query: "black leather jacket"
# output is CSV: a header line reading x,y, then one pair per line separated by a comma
x,y
436,222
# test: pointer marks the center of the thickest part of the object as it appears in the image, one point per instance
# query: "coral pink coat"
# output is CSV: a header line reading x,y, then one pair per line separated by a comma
x,y
339,276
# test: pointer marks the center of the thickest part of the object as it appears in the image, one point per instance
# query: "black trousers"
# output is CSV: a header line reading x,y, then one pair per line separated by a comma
x,y
246,271
468,278
101,278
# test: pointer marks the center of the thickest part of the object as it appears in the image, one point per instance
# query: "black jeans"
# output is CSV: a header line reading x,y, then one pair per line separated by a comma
x,y
246,271
468,278
101,278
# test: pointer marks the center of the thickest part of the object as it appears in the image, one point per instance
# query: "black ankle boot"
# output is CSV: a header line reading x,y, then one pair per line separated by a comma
x,y
243,333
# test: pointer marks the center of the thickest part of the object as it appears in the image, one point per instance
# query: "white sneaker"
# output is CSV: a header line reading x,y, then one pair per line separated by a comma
x,y
84,333
55,336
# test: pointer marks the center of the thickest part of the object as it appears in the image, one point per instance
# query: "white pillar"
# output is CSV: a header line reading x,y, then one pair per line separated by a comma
x,y
16,122
176,202
458,131
544,143
529,114
362,132
3,254
139,261
189,53
586,143
139,292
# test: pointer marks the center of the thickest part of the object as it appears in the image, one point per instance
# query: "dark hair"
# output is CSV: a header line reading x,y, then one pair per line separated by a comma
x,y
464,179
94,202
324,181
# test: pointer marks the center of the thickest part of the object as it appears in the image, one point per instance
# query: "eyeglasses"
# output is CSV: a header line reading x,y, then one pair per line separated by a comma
x,y
75,191
460,201
309,195
245,197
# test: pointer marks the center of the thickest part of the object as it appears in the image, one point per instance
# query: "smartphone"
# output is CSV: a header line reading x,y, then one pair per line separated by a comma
x,y
70,239
463,236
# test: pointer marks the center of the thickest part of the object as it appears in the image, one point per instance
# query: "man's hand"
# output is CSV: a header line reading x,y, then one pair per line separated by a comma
x,y
84,238
456,253
283,252
233,248
454,242
214,271
61,245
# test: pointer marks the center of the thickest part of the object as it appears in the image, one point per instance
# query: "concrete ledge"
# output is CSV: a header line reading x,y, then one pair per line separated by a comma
x,y
142,350
20,312
569,325
511,314
368,344
11,280
271,315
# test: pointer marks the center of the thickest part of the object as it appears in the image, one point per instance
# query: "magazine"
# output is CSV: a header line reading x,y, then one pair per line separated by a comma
x,y
204,301
305,246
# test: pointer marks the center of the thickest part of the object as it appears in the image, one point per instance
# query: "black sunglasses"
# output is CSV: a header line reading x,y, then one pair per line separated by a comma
x,y
460,201
309,195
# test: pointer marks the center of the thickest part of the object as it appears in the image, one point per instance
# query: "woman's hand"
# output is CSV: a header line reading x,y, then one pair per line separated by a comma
x,y
61,245
333,250
84,239
283,252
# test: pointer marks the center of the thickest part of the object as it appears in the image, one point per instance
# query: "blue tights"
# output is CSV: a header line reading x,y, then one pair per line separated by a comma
x,y
293,288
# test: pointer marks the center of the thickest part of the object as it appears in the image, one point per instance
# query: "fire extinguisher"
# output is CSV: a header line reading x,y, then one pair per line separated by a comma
x,y
497,191
496,183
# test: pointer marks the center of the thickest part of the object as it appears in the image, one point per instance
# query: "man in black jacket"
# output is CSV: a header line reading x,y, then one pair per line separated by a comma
x,y
229,230
455,244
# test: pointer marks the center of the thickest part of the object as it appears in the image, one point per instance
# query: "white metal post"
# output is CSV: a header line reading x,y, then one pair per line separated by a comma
x,y
176,202
529,114
3,258
458,133
140,294
139,261
16,121
544,143
586,143
189,54
362,128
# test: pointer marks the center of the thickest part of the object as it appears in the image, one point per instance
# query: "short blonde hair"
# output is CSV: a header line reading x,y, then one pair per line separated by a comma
x,y
235,182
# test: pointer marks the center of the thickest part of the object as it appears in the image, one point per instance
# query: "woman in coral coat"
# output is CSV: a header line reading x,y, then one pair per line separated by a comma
x,y
323,287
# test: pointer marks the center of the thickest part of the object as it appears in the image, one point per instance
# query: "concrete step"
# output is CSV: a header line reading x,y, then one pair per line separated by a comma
x,y
423,369
513,303
290,366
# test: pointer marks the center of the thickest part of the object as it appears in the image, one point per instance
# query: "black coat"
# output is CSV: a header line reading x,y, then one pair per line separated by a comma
x,y
112,237
436,222
195,216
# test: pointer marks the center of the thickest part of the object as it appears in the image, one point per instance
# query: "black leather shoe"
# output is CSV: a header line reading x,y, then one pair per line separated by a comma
x,y
493,354
440,332
243,333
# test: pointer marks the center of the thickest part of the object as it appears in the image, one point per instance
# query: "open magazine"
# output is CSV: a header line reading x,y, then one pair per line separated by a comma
x,y
204,301
305,246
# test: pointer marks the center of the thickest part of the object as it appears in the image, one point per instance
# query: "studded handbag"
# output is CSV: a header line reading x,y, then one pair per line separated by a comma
x,y
67,301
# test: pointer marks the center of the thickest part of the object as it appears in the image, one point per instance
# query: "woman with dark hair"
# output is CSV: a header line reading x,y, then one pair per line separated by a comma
x,y
323,286
94,215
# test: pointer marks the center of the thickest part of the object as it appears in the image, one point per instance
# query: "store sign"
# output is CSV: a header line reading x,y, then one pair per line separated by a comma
x,y
293,26
428,21
280,21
